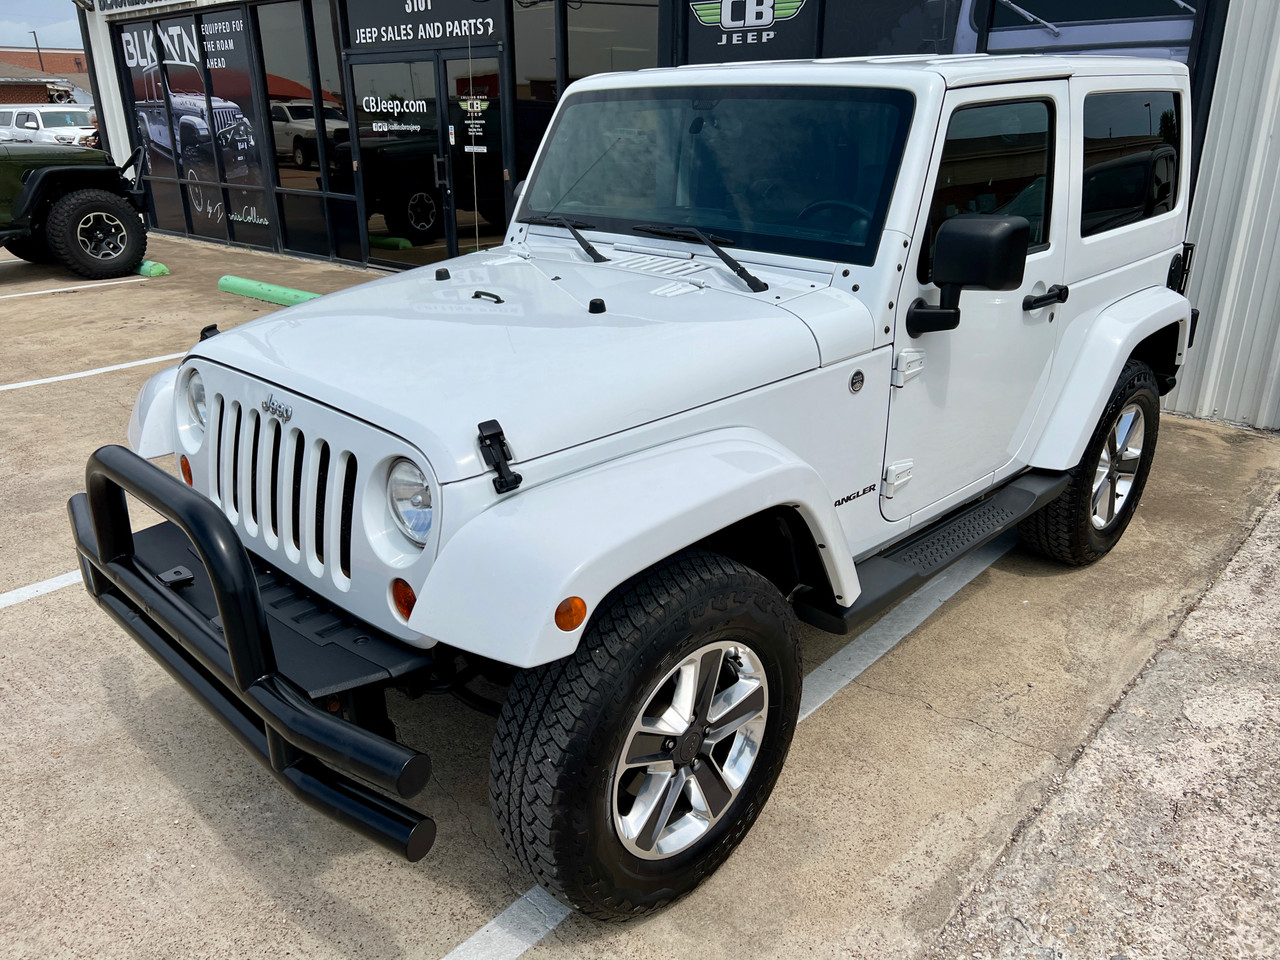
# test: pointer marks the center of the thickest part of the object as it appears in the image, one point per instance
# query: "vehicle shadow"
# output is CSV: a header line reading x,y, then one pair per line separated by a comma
x,y
334,885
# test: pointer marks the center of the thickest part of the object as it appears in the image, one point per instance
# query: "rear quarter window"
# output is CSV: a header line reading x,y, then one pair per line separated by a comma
x,y
1132,144
6,118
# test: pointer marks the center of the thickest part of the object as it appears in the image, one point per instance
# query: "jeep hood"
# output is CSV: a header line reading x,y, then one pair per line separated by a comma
x,y
430,359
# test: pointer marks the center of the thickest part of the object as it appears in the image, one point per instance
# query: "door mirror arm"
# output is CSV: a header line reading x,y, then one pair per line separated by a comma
x,y
923,317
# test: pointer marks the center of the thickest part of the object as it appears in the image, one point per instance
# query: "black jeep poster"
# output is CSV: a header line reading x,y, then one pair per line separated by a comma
x,y
203,133
235,127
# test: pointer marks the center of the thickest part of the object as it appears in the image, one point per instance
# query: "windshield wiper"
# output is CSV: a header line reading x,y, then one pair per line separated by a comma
x,y
693,233
1031,17
555,220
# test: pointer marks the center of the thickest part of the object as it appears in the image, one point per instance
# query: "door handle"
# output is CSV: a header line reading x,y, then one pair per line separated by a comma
x,y
1055,294
440,172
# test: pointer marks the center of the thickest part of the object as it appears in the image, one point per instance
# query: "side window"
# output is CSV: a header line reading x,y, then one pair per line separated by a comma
x,y
1131,144
27,118
6,117
996,159
277,113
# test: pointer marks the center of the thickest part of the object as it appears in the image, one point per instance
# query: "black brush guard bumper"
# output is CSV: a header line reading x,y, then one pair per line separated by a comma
x,y
326,761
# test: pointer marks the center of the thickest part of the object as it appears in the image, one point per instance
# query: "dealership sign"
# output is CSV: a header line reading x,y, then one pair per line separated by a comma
x,y
721,30
391,24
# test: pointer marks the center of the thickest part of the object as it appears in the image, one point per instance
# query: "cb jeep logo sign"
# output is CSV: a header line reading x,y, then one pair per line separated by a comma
x,y
745,14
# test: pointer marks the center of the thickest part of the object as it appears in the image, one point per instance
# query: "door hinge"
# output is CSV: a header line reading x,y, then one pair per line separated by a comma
x,y
896,476
496,453
907,366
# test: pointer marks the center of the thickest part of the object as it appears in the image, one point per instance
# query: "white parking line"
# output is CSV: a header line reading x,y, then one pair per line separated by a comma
x,y
537,913
90,373
38,589
78,286
514,930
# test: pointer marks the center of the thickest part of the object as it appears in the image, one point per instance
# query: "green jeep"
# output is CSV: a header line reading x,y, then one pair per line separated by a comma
x,y
73,205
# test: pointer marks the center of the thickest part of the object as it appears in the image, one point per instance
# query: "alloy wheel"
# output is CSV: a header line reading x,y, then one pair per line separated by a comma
x,y
690,750
1117,466
101,235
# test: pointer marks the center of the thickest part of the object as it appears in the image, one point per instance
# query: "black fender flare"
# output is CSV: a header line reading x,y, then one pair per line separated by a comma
x,y
43,182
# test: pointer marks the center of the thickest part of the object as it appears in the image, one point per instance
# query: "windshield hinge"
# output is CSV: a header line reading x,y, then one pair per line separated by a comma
x,y
896,476
496,453
908,365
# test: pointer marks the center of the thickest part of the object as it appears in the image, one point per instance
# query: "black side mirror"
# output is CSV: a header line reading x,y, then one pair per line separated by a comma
x,y
971,250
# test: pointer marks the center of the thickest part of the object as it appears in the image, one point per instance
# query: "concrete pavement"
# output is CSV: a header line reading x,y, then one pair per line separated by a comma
x,y
1164,838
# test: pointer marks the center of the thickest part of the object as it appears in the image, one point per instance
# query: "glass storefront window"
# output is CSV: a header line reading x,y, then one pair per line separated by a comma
x,y
534,29
249,216
607,35
399,132
140,57
166,206
290,94
304,223
475,152
234,121
333,99
192,126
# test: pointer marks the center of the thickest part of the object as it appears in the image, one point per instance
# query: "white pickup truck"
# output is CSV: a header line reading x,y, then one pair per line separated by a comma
x,y
764,344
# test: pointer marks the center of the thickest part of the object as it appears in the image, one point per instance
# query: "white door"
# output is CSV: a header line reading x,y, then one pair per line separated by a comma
x,y
969,395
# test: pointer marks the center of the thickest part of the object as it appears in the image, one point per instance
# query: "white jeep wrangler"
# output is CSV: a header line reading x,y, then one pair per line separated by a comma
x,y
763,343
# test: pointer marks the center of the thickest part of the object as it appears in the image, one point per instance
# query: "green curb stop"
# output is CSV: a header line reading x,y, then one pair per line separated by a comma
x,y
270,292
390,243
152,268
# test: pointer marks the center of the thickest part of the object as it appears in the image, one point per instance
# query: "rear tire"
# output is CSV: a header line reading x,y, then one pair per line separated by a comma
x,y
97,234
595,786
33,248
1089,517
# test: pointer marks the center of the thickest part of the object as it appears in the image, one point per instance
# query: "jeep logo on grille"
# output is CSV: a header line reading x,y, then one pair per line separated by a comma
x,y
273,406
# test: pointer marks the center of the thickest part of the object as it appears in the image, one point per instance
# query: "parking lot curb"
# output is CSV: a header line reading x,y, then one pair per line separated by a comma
x,y
152,268
270,292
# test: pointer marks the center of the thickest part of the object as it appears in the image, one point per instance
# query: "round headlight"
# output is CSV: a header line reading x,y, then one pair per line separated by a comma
x,y
410,499
195,398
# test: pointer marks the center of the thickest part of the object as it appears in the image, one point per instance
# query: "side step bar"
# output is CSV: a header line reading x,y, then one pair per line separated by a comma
x,y
890,576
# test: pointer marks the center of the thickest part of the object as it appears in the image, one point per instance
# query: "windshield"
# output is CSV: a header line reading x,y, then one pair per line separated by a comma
x,y
65,118
301,112
807,171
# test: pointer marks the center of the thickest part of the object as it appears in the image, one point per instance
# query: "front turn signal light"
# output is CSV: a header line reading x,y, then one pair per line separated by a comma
x,y
185,466
570,614
403,596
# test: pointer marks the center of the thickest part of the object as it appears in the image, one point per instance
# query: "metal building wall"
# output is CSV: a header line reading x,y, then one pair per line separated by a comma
x,y
1234,370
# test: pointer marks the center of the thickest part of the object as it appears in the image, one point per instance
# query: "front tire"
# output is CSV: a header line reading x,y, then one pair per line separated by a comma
x,y
1091,514
624,775
97,234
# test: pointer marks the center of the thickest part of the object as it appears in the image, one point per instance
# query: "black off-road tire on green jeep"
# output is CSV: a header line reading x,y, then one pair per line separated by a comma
x,y
1088,518
32,248
97,234
571,760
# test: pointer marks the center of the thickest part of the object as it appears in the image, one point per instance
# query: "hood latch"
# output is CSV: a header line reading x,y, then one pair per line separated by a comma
x,y
496,453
